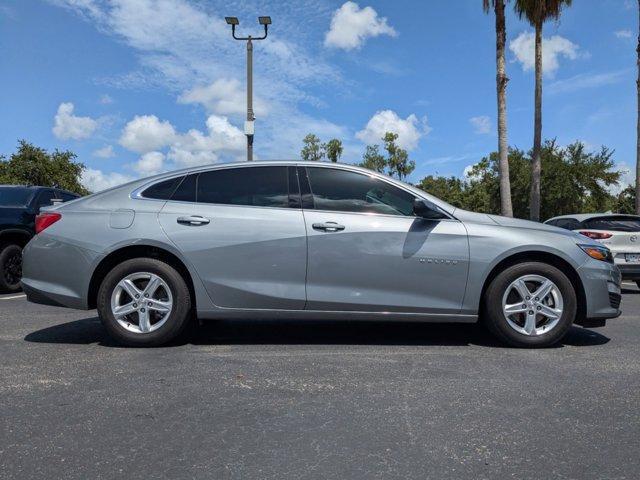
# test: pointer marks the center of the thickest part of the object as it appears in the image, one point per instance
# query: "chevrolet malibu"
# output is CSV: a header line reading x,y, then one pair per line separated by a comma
x,y
298,240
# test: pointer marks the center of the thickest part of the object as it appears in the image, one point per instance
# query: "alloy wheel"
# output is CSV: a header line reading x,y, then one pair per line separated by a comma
x,y
532,305
141,302
13,269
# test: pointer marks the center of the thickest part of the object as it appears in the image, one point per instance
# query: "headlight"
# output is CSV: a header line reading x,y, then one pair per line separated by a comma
x,y
597,252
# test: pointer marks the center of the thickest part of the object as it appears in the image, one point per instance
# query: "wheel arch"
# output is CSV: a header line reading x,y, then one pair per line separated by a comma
x,y
137,251
543,257
15,236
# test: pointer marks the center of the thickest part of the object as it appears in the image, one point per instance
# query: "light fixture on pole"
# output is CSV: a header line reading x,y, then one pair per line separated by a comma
x,y
248,125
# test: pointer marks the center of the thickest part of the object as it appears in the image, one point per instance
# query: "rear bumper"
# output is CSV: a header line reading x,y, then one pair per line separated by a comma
x,y
629,272
56,273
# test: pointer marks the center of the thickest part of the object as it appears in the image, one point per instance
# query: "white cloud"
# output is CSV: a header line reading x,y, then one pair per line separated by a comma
x,y
224,96
467,172
104,152
67,125
623,33
523,47
586,80
146,133
409,130
197,148
106,99
352,25
184,44
481,125
96,180
627,178
150,163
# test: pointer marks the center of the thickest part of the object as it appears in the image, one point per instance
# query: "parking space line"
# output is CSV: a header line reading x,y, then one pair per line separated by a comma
x,y
13,297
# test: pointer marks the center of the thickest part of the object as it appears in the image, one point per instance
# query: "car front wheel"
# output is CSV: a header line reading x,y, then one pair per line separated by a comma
x,y
530,305
144,302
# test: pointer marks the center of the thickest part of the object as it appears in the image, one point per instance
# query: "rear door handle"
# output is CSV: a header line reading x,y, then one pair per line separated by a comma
x,y
194,220
328,227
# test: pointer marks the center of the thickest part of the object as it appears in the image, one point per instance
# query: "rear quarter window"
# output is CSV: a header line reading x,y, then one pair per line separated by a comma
x,y
567,223
162,190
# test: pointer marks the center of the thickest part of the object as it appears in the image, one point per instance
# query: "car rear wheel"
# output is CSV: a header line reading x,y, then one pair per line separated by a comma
x,y
144,302
530,305
10,268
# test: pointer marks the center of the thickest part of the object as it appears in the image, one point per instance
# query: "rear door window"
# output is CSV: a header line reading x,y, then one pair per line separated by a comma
x,y
250,186
614,223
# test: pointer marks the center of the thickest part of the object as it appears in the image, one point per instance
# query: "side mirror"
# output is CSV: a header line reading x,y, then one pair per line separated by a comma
x,y
425,209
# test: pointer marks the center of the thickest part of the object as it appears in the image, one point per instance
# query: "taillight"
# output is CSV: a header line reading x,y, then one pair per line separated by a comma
x,y
45,220
596,235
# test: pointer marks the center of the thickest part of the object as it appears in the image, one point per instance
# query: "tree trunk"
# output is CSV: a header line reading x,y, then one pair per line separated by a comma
x,y
536,167
638,127
501,87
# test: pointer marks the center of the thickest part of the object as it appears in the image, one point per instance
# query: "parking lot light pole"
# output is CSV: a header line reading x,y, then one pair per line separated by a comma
x,y
249,125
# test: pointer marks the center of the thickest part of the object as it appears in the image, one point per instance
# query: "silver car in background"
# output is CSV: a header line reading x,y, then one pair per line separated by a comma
x,y
619,232
310,240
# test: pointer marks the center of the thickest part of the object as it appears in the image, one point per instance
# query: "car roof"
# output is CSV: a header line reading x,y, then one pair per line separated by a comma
x,y
581,217
38,187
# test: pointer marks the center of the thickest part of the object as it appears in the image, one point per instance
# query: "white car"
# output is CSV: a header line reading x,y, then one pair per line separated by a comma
x,y
621,233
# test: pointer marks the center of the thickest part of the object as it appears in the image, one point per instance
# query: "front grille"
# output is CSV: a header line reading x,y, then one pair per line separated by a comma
x,y
614,300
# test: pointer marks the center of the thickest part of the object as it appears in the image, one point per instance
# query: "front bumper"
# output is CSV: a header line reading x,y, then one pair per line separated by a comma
x,y
602,288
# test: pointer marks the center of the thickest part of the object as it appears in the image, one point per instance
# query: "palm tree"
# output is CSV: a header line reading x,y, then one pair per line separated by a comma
x,y
537,12
638,129
334,149
501,87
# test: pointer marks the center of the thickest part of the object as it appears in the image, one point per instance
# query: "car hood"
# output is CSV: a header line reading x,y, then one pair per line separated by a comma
x,y
466,216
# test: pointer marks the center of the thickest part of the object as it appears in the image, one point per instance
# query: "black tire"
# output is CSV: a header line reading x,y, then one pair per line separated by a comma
x,y
10,271
638,283
179,316
494,317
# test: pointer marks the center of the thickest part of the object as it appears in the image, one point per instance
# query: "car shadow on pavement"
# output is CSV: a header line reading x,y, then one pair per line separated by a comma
x,y
305,332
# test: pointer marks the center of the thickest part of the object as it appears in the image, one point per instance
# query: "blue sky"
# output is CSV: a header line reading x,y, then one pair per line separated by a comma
x,y
139,86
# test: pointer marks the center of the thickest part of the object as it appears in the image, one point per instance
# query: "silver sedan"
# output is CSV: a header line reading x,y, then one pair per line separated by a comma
x,y
310,241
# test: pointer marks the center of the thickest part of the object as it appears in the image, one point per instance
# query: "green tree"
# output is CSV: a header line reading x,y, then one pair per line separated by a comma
x,y
334,149
398,163
373,160
501,90
537,12
450,188
312,149
573,180
32,165
626,200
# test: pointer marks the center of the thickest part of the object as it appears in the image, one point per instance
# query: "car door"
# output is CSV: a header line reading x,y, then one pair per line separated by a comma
x,y
368,252
243,231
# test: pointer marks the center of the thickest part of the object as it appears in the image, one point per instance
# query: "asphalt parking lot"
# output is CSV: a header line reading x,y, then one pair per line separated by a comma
x,y
258,400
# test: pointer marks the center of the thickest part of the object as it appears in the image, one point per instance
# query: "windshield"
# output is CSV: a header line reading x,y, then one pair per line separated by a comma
x,y
14,196
615,224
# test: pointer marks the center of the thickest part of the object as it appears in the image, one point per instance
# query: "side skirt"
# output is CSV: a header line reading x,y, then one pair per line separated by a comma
x,y
334,315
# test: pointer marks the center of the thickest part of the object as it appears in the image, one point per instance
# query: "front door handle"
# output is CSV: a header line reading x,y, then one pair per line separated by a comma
x,y
194,220
328,227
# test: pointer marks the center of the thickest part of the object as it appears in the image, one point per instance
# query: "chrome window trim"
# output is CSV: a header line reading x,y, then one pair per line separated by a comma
x,y
137,193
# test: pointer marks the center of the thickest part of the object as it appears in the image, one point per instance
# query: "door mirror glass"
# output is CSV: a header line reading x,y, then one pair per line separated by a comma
x,y
425,209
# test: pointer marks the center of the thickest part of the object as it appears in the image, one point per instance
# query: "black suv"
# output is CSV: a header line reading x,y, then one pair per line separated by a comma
x,y
19,206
